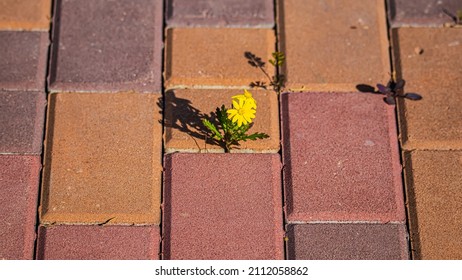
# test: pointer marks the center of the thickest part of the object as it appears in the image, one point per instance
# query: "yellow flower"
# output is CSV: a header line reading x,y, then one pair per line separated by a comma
x,y
247,97
242,112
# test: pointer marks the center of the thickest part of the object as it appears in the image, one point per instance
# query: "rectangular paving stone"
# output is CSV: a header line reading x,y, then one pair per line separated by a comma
x,y
429,60
341,158
107,46
25,15
186,108
214,57
98,243
24,57
102,159
220,13
21,128
19,180
433,184
333,45
422,12
222,206
347,242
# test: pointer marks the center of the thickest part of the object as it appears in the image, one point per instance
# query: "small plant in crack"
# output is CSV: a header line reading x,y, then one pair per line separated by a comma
x,y
396,90
233,124
277,81
393,89
456,18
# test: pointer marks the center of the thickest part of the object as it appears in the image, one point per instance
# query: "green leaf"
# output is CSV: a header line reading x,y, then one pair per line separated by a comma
x,y
256,136
216,134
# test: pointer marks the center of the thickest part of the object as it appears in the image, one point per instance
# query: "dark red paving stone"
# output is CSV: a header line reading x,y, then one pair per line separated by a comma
x,y
429,59
98,243
222,206
102,159
433,185
347,242
19,180
333,45
220,13
23,57
107,46
341,158
421,12
22,120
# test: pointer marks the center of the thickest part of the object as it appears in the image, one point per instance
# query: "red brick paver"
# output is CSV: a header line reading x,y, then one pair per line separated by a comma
x,y
22,120
19,181
341,160
98,243
107,46
23,57
220,13
236,213
347,241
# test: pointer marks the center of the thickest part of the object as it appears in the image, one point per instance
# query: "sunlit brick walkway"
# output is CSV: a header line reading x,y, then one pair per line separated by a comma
x,y
103,154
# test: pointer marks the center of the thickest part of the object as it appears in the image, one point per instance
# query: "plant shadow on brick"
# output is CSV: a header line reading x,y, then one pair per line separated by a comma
x,y
391,91
183,116
456,18
277,82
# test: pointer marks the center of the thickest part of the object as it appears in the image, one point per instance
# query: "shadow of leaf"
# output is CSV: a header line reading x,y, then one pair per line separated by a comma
x,y
180,114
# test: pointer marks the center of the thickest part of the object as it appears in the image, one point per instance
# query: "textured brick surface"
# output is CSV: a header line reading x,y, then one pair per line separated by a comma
x,y
341,159
222,206
19,180
205,57
107,46
23,57
333,45
102,159
219,13
433,183
185,109
21,126
434,72
422,12
98,243
25,15
347,242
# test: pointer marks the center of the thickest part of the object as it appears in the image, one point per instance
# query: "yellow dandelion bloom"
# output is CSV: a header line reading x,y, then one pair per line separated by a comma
x,y
247,97
242,112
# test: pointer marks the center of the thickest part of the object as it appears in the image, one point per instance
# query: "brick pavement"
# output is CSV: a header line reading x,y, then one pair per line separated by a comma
x,y
108,95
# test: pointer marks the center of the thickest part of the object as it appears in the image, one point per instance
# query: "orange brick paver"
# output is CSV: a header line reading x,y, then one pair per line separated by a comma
x,y
25,14
433,182
102,159
333,45
430,60
212,57
185,108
